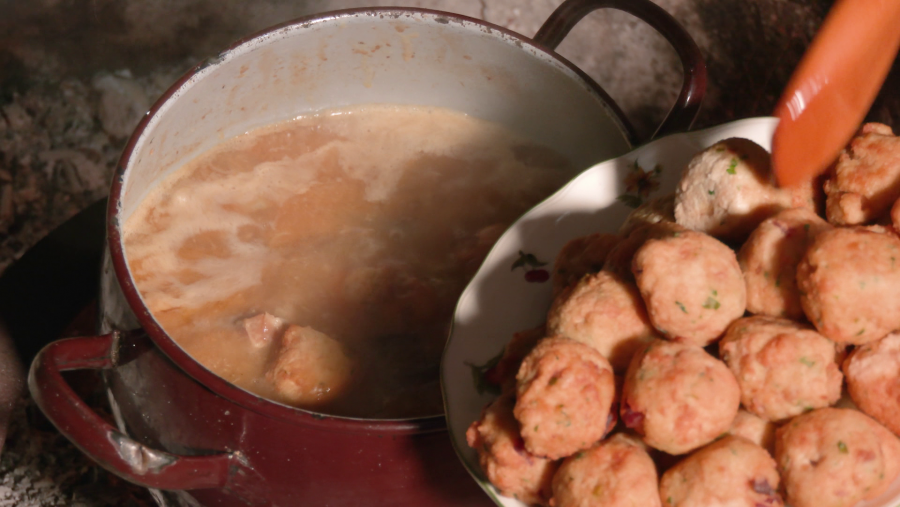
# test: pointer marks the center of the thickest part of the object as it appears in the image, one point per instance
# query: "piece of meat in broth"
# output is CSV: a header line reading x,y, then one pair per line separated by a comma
x,y
311,368
263,328
866,178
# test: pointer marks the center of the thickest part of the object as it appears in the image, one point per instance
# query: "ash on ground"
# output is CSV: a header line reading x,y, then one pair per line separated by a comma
x,y
59,143
40,468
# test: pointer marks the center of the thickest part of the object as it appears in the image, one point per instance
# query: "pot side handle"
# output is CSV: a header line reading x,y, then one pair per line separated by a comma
x,y
687,105
102,442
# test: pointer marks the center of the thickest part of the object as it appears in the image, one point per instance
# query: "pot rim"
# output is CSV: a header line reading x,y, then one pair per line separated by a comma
x,y
179,356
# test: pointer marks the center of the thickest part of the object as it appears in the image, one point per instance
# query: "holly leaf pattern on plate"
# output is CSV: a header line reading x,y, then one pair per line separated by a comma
x,y
532,266
485,376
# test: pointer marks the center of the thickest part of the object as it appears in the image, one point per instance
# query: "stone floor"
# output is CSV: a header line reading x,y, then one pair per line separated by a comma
x,y
76,76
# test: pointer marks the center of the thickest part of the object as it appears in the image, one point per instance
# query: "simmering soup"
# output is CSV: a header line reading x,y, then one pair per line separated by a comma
x,y
317,262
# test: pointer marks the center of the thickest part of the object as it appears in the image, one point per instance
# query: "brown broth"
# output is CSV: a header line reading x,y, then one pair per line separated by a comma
x,y
364,224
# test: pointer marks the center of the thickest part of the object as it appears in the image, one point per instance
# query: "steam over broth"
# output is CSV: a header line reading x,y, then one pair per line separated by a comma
x,y
317,262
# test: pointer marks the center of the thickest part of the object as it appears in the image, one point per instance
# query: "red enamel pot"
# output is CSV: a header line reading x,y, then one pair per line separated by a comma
x,y
195,438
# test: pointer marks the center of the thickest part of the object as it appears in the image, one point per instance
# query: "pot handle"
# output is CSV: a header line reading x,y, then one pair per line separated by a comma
x,y
102,442
687,105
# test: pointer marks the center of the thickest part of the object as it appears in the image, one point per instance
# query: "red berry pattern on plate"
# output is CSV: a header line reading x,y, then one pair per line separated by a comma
x,y
537,275
532,266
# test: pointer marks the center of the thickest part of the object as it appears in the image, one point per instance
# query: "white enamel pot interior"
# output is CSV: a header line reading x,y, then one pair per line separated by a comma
x,y
364,57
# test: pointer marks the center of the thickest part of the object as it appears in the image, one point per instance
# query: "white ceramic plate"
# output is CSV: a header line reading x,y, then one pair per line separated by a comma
x,y
499,301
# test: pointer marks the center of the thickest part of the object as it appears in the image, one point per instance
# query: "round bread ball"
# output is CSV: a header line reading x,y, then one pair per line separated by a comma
x,y
755,429
769,261
835,457
849,282
678,397
866,177
565,390
873,379
730,472
579,257
617,472
783,368
656,210
809,195
605,312
503,458
727,190
895,216
311,368
692,285
619,259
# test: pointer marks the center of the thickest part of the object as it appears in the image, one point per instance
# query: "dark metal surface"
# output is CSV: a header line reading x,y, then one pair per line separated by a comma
x,y
41,293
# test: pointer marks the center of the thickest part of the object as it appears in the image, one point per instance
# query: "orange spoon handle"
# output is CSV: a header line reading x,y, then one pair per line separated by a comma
x,y
834,86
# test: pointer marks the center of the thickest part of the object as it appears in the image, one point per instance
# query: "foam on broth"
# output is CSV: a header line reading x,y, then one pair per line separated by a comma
x,y
364,224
